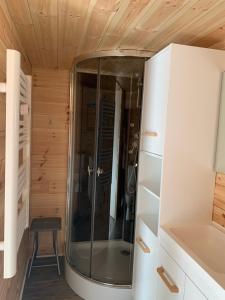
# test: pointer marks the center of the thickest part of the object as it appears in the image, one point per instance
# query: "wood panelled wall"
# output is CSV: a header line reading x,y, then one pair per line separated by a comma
x,y
219,200
9,289
50,120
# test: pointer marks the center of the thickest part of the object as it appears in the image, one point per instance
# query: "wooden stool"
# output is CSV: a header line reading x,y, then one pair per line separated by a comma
x,y
42,225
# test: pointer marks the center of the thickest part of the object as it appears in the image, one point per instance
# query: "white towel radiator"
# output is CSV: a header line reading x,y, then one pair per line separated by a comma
x,y
17,159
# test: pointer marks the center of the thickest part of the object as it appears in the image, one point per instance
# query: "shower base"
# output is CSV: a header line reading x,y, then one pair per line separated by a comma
x,y
90,290
109,262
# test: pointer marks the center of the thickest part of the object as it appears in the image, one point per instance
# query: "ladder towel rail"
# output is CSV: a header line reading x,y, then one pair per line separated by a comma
x,y
17,159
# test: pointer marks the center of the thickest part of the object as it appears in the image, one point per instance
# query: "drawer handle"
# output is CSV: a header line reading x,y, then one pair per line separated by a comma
x,y
223,215
172,287
150,133
142,244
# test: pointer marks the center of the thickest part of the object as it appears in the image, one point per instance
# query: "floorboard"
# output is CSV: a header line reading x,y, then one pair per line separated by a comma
x,y
45,284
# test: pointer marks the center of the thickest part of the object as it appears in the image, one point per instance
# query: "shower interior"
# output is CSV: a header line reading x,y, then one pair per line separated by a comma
x,y
104,157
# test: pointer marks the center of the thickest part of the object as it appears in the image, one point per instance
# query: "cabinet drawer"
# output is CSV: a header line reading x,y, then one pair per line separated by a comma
x,y
170,278
191,292
146,249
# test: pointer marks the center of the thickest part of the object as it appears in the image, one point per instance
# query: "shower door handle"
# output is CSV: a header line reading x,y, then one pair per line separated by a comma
x,y
90,171
99,171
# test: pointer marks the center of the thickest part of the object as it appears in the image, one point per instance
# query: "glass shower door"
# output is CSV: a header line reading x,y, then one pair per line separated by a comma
x,y
80,246
105,141
111,255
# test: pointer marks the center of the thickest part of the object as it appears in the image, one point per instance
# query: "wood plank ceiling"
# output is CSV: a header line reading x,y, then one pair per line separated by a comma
x,y
54,32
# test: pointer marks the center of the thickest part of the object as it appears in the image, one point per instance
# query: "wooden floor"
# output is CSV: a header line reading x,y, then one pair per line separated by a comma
x,y
45,284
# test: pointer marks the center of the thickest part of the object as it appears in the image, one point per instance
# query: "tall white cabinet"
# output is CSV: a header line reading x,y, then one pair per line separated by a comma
x,y
175,177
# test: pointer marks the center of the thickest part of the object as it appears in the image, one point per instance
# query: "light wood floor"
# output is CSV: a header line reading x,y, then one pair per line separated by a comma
x,y
45,284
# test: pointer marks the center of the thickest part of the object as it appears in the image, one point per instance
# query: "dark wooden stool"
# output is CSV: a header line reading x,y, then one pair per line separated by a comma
x,y
41,225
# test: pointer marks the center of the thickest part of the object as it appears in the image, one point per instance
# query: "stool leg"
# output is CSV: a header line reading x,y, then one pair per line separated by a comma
x,y
55,246
35,250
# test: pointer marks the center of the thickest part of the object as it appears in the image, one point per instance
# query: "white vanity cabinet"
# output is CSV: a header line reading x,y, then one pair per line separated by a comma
x,y
146,249
170,278
156,86
191,291
172,283
175,170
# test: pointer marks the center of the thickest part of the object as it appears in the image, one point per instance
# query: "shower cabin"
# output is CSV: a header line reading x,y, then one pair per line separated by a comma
x,y
104,145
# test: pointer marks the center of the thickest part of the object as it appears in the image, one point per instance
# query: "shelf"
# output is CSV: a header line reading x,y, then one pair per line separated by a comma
x,y
151,221
149,185
151,154
147,202
152,188
149,172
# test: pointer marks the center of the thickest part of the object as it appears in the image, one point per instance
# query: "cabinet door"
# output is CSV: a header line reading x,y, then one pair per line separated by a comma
x,y
144,265
156,86
170,278
191,292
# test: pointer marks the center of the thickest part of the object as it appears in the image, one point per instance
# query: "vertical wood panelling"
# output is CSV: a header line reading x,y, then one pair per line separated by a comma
x,y
219,200
10,288
71,16
50,119
44,18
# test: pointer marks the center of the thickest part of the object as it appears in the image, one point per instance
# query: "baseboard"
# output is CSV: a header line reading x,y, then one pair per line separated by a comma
x,y
24,280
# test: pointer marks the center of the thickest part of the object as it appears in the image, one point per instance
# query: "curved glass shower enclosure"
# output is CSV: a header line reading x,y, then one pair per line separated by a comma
x,y
103,167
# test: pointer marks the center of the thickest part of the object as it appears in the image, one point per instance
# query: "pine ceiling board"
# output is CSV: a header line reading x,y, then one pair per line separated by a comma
x,y
153,30
55,32
10,36
219,45
127,12
202,27
44,14
71,16
86,23
150,25
115,19
99,16
27,35
212,31
183,23
213,39
113,40
20,13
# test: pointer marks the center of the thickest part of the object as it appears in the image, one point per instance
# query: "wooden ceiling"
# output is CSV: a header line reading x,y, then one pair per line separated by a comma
x,y
54,32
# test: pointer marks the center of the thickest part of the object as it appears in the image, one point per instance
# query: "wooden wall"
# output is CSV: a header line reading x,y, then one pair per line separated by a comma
x,y
50,120
9,289
219,200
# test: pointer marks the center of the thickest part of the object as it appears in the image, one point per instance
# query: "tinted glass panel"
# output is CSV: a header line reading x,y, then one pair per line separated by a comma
x,y
83,154
105,145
